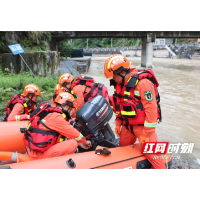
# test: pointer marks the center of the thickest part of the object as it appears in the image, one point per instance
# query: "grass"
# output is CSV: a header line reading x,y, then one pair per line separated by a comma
x,y
11,84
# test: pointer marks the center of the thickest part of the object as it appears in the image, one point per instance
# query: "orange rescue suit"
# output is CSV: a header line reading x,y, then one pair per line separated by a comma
x,y
19,108
146,132
56,122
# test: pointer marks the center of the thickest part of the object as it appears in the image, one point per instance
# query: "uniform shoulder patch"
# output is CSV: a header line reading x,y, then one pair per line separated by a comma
x,y
148,95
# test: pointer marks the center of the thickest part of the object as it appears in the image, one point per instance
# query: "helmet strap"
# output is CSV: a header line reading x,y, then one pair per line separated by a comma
x,y
123,77
30,99
66,112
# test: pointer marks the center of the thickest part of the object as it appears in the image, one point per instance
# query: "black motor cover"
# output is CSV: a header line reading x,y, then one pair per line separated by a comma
x,y
95,113
94,117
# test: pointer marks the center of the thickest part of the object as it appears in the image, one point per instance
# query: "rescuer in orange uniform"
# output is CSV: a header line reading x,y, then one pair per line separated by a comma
x,y
44,140
21,106
81,87
63,80
135,104
64,83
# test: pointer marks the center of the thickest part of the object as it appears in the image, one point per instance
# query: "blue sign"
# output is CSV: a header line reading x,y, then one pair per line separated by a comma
x,y
16,49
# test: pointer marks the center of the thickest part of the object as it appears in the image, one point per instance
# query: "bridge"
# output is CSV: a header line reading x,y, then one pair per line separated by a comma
x,y
147,38
63,35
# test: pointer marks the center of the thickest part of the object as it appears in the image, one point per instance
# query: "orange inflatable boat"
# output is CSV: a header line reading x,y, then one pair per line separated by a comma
x,y
11,139
128,157
104,154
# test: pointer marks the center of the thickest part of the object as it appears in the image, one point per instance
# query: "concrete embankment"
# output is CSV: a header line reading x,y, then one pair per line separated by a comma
x,y
75,66
44,63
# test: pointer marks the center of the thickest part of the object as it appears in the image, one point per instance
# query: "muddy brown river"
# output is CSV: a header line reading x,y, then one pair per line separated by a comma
x,y
179,89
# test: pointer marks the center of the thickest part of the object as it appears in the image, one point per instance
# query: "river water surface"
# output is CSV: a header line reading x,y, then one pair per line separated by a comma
x,y
179,89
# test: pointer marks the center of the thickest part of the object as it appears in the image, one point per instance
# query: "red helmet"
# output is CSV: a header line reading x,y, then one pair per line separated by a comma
x,y
65,79
114,64
31,89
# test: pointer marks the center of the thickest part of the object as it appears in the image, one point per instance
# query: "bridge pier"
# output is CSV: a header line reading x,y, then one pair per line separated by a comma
x,y
147,51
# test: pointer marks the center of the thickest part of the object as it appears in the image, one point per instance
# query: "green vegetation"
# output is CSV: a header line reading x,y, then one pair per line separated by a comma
x,y
4,42
186,40
11,84
30,40
65,49
105,42
36,40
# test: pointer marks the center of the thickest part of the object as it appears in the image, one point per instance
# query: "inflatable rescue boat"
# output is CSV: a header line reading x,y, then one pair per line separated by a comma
x,y
11,139
104,154
128,157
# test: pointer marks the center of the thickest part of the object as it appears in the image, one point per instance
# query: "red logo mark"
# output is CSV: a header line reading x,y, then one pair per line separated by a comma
x,y
154,148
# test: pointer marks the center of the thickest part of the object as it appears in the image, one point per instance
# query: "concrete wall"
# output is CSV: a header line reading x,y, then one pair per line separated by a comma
x,y
102,50
189,51
157,53
41,63
67,66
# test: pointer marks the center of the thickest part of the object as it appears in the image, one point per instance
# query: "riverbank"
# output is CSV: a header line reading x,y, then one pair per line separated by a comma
x,y
156,61
183,161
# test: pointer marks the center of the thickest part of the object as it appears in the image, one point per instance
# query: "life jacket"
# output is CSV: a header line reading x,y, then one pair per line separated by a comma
x,y
96,88
37,139
29,106
126,101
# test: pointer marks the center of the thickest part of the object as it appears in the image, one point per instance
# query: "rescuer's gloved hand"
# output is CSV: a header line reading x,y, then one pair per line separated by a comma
x,y
142,140
118,130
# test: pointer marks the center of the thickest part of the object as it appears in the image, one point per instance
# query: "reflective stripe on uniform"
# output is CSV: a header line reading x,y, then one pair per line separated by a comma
x,y
127,93
136,93
25,105
128,113
62,139
64,116
140,72
129,79
136,82
28,126
29,110
43,120
17,117
150,125
79,137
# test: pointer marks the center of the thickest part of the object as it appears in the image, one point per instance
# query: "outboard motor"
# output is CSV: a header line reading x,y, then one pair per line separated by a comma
x,y
94,116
